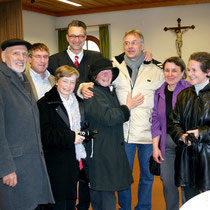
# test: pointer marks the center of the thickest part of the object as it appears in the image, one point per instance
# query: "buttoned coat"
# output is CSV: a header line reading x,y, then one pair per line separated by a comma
x,y
20,145
109,169
58,145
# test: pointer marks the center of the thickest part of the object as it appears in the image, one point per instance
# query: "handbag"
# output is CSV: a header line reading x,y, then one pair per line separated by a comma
x,y
154,167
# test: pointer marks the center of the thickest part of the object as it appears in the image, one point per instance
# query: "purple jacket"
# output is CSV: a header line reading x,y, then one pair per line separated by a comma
x,y
159,111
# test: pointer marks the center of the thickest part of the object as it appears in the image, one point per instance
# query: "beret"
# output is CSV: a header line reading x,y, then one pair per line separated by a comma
x,y
14,42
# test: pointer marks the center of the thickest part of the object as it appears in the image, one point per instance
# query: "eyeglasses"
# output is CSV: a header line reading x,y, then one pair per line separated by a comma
x,y
135,42
80,37
41,56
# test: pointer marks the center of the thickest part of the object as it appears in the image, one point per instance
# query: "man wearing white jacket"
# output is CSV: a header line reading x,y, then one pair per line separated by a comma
x,y
137,76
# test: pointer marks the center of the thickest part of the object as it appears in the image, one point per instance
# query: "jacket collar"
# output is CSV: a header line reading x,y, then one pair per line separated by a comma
x,y
52,96
13,77
180,85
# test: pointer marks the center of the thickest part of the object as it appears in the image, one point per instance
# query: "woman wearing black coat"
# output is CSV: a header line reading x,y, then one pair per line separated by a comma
x,y
190,129
60,125
108,165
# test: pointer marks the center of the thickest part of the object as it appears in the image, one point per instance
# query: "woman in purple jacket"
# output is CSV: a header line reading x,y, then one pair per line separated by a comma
x,y
163,145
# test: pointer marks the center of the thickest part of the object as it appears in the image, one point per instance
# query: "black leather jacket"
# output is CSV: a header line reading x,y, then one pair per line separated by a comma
x,y
192,164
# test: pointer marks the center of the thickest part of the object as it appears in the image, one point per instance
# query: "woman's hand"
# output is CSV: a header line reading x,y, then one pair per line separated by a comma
x,y
157,155
78,139
195,132
184,139
137,100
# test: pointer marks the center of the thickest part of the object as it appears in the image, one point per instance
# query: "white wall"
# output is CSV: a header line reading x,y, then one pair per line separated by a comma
x,y
40,28
150,21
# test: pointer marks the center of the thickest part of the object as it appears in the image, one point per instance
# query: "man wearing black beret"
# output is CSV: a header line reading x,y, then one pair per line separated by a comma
x,y
24,183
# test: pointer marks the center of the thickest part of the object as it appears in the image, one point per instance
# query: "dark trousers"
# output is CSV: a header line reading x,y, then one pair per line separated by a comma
x,y
189,192
39,207
84,190
103,200
61,205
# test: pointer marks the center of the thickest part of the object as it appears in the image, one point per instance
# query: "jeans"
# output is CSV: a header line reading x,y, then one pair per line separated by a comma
x,y
145,180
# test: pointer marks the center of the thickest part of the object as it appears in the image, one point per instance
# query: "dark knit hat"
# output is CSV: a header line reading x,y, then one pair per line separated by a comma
x,y
14,42
101,65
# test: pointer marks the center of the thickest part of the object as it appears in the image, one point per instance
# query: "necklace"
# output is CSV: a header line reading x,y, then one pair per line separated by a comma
x,y
170,89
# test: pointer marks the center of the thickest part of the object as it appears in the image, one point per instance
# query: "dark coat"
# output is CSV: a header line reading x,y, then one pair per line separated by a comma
x,y
63,58
109,169
20,145
192,162
58,145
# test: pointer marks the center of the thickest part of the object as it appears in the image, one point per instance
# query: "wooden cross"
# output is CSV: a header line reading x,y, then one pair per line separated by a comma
x,y
179,31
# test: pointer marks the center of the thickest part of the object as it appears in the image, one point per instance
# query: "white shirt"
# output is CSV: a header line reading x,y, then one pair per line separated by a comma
x,y
72,55
72,107
42,85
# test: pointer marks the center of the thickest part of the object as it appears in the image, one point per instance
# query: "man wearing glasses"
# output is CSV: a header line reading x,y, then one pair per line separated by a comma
x,y
137,76
75,55
39,77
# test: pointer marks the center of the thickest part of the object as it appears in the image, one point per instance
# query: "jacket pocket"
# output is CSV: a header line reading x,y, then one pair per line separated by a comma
x,y
16,151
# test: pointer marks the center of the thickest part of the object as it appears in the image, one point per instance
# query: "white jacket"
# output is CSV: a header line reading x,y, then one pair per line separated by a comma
x,y
150,77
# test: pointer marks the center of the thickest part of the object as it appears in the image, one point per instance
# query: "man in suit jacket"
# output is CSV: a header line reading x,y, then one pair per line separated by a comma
x,y
24,182
39,77
76,37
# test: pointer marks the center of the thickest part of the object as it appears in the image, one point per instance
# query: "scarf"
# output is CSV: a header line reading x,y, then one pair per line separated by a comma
x,y
134,65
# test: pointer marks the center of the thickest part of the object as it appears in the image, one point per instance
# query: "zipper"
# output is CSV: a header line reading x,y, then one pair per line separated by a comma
x,y
130,116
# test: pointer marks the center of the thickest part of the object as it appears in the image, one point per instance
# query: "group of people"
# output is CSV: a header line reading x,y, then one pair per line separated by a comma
x,y
131,102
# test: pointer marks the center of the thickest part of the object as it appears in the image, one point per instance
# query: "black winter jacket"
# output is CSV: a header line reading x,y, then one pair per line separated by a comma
x,y
109,169
192,164
58,145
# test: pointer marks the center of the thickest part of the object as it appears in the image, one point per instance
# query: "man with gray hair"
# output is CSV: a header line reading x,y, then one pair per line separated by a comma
x,y
137,76
24,182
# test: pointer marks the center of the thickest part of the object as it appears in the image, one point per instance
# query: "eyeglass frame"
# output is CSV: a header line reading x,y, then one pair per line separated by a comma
x,y
73,36
40,56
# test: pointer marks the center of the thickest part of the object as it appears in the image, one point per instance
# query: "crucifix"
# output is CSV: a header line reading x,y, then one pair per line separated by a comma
x,y
179,31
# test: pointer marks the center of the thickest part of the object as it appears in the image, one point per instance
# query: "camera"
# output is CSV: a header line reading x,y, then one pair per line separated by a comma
x,y
88,134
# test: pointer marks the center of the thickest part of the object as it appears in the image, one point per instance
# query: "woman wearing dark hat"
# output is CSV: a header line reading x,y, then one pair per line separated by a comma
x,y
109,169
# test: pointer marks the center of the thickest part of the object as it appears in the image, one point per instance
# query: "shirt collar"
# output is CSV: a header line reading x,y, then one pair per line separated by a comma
x,y
72,55
36,75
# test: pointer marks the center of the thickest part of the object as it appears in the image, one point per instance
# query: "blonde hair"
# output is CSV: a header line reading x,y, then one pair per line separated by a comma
x,y
65,71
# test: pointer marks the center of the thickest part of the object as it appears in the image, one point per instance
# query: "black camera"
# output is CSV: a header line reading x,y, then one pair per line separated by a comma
x,y
191,138
87,133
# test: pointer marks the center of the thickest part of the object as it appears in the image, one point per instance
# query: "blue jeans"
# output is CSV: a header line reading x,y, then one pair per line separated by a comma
x,y
145,180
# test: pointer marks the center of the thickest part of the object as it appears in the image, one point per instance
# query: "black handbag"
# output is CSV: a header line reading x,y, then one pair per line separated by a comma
x,y
154,167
